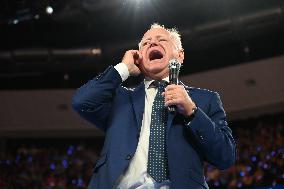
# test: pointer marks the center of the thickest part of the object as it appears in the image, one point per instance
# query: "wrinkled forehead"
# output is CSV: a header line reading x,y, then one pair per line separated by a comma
x,y
154,32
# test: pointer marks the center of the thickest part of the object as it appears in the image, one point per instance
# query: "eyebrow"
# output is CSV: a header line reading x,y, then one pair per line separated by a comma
x,y
149,38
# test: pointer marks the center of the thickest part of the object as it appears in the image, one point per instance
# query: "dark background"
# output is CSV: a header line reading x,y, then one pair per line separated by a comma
x,y
44,57
40,50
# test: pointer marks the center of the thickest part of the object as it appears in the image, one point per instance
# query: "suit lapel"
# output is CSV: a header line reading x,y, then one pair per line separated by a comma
x,y
170,120
138,102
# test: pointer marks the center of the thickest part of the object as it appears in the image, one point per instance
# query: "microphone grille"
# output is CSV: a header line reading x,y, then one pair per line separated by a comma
x,y
174,64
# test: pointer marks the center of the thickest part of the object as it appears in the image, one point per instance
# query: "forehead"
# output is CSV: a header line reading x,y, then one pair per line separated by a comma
x,y
154,32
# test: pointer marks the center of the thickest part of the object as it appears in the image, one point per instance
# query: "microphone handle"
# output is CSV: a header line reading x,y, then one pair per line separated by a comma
x,y
172,108
173,80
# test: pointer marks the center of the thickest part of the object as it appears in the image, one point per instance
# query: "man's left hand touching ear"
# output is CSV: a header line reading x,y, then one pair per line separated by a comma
x,y
177,95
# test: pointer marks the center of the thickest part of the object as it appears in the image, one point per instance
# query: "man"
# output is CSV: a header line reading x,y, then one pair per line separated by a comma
x,y
146,146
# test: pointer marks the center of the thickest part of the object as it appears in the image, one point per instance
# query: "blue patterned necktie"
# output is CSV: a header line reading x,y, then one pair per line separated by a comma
x,y
157,166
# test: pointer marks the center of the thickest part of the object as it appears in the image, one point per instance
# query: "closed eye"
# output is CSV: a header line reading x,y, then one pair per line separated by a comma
x,y
145,43
162,39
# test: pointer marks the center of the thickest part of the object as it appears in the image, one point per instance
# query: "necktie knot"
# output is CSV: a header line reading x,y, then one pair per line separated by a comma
x,y
159,84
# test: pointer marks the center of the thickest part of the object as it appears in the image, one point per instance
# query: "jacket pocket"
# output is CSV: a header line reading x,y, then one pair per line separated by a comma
x,y
199,178
101,161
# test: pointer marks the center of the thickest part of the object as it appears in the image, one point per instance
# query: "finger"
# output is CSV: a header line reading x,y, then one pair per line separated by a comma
x,y
170,97
171,93
170,102
135,54
137,57
171,87
173,102
140,55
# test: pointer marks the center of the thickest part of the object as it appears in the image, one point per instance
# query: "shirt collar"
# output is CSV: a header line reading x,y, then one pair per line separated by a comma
x,y
148,81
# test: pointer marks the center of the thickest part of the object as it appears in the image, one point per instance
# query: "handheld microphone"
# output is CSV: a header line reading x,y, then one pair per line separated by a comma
x,y
174,67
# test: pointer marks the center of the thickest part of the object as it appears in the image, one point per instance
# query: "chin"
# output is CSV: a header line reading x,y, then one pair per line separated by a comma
x,y
156,73
155,68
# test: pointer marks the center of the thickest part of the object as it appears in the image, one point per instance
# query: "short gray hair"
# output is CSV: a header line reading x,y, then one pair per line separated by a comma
x,y
174,33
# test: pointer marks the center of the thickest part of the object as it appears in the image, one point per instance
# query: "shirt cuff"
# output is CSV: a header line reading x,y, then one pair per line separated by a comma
x,y
122,69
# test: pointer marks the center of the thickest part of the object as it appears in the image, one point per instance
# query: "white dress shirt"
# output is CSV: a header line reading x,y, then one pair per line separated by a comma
x,y
136,175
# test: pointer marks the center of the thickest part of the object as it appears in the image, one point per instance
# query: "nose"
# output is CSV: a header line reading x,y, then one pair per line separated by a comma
x,y
153,42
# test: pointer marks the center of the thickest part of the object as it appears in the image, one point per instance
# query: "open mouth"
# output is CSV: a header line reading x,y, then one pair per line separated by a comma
x,y
155,54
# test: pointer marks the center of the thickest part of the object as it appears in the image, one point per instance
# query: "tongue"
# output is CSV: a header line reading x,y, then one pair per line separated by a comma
x,y
154,55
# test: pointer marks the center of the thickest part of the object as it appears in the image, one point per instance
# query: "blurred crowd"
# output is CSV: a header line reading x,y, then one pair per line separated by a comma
x,y
260,155
260,160
47,168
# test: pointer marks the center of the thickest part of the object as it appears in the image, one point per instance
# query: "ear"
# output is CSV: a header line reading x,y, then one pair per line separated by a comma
x,y
181,55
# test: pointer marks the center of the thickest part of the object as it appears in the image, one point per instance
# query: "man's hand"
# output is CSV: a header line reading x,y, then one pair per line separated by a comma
x,y
177,95
132,59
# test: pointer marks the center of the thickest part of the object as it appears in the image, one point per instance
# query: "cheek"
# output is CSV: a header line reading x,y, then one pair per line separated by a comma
x,y
143,65
143,52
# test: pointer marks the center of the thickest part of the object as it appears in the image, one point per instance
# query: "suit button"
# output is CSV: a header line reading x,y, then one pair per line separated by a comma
x,y
128,157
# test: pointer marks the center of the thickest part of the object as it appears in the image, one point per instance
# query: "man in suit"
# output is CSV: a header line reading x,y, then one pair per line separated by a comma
x,y
146,146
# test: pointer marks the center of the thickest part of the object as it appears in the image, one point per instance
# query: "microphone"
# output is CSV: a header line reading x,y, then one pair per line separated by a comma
x,y
174,67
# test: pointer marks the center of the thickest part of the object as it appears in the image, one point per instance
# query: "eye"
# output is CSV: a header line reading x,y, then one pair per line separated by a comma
x,y
144,43
162,39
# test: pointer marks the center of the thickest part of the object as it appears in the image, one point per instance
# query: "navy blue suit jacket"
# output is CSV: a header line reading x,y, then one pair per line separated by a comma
x,y
118,111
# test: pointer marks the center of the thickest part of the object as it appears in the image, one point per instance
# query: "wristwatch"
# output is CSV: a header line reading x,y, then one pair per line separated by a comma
x,y
188,119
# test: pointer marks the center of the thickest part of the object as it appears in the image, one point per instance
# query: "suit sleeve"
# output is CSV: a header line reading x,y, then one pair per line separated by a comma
x,y
93,100
213,134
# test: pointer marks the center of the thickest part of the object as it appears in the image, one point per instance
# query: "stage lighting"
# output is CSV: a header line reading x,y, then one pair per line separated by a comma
x,y
96,51
36,16
66,77
15,21
49,10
